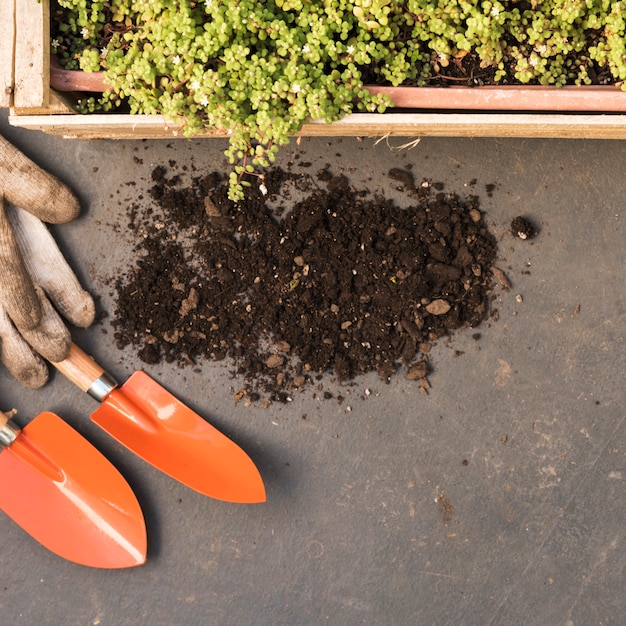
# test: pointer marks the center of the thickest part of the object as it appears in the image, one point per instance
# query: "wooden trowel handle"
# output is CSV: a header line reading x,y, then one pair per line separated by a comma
x,y
80,368
8,430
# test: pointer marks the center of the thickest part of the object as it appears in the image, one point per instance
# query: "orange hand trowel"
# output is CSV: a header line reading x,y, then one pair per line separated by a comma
x,y
160,429
65,494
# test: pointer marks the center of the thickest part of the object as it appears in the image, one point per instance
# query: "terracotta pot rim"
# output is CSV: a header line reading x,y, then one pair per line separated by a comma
x,y
75,80
609,98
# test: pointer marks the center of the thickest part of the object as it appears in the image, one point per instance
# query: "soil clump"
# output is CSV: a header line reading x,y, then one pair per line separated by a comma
x,y
523,228
342,282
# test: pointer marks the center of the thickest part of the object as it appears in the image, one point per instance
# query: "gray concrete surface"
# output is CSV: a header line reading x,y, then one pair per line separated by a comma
x,y
524,432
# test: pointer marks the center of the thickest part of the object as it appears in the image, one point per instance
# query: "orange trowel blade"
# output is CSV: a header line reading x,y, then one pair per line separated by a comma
x,y
156,426
66,494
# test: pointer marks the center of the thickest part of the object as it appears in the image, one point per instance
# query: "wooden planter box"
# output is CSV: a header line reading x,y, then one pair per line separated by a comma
x,y
25,88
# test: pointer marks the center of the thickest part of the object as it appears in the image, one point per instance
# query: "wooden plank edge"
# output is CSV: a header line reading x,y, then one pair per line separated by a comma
x,y
31,90
7,51
58,103
589,126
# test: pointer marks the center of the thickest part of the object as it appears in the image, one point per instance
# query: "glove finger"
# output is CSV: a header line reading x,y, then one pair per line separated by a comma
x,y
50,339
49,269
26,185
18,357
17,292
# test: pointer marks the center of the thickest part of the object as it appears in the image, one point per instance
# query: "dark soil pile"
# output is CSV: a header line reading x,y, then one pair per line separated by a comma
x,y
344,282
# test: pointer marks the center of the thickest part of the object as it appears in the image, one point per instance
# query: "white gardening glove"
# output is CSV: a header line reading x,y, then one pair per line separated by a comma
x,y
33,271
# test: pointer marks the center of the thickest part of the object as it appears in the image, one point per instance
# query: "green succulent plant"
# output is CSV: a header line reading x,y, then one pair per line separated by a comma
x,y
260,70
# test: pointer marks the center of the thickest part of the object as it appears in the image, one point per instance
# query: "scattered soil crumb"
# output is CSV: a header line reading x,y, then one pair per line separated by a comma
x,y
501,277
342,283
445,508
523,228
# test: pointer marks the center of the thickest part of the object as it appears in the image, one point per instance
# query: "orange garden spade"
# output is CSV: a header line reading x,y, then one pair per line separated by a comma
x,y
65,494
156,426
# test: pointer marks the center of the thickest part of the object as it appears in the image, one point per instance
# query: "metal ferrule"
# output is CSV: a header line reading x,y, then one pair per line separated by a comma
x,y
102,387
8,434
